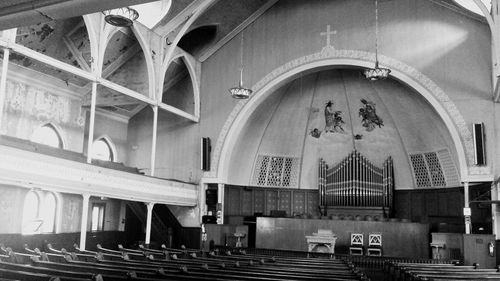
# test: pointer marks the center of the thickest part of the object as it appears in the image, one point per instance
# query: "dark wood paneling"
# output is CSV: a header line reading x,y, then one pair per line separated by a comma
x,y
259,201
223,234
442,208
271,200
299,202
245,201
476,250
312,203
232,201
285,201
399,239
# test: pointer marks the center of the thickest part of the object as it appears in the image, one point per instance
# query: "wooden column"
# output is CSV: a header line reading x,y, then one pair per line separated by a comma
x,y
3,82
91,122
153,141
220,203
85,215
467,215
150,206
494,209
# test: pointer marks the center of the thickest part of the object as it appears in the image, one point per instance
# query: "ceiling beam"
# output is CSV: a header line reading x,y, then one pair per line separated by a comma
x,y
113,101
26,13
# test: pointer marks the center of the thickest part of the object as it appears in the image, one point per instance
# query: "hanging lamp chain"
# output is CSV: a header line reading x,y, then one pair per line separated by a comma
x,y
241,59
376,33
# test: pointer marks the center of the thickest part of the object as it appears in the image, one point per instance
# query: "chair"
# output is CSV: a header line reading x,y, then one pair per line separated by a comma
x,y
356,247
241,232
374,244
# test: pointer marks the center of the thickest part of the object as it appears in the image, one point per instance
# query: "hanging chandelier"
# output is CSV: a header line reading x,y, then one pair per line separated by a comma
x,y
240,92
376,73
122,17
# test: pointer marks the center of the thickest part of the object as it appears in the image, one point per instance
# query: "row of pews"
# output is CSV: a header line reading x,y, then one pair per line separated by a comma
x,y
166,264
395,271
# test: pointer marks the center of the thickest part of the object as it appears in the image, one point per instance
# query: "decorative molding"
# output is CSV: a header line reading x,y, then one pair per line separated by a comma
x,y
28,169
328,53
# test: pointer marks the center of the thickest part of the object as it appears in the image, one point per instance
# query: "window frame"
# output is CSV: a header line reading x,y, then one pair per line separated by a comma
x,y
56,131
110,145
101,217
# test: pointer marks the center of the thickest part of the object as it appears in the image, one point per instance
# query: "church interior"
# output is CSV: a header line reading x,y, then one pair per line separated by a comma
x,y
362,131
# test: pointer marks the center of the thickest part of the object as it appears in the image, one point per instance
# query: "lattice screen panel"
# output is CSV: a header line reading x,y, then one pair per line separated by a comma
x,y
420,170
437,176
449,168
434,169
275,171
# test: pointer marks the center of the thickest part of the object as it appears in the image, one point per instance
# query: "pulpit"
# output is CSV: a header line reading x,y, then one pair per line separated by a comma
x,y
324,237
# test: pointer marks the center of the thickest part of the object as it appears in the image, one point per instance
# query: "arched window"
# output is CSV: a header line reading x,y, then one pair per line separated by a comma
x,y
31,222
48,135
102,150
48,212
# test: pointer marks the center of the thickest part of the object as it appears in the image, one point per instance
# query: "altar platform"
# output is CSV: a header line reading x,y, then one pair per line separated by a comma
x,y
400,239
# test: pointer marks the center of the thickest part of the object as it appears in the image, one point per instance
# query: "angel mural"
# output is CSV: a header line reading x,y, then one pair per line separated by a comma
x,y
370,119
333,119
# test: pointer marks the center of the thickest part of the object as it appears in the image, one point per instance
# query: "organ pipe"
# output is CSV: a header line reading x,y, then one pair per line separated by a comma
x,y
355,181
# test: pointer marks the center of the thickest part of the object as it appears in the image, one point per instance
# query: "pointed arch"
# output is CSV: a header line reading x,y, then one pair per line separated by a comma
x,y
192,66
100,155
108,32
49,134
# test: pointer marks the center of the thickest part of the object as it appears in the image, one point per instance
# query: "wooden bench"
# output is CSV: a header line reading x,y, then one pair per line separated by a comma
x,y
417,272
175,264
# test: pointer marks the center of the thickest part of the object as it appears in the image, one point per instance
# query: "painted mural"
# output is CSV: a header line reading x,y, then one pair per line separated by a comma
x,y
24,99
370,119
333,119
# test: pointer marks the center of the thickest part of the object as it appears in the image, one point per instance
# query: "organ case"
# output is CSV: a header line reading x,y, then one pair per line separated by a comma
x,y
357,183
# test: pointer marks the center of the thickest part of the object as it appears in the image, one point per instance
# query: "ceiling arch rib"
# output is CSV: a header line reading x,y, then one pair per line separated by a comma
x,y
183,64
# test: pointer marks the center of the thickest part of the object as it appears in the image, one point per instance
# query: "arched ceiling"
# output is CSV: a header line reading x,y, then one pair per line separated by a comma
x,y
378,119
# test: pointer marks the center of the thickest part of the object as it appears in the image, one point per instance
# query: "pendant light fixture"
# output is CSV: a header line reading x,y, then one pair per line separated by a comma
x,y
240,92
376,73
122,17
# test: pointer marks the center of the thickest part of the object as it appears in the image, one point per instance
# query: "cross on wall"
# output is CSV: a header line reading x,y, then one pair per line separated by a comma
x,y
328,34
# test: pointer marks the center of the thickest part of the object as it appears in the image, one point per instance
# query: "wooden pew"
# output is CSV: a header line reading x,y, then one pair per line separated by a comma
x,y
117,265
392,269
30,276
416,272
52,272
416,275
197,265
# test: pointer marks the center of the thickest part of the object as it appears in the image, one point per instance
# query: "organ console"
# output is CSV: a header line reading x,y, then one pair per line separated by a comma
x,y
356,182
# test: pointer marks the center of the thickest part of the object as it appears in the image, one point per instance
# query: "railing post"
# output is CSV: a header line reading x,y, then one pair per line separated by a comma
x,y
92,122
3,81
149,217
153,140
467,214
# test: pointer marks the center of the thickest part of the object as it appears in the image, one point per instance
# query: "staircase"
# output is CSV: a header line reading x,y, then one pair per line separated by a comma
x,y
163,219
158,227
